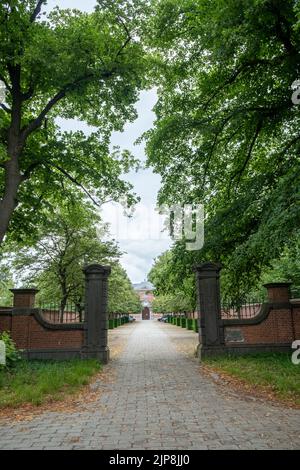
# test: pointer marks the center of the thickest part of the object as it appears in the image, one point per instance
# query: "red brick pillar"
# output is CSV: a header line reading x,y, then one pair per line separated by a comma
x,y
278,292
24,298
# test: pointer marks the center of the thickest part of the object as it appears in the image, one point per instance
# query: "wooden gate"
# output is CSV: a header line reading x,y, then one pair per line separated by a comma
x,y
146,313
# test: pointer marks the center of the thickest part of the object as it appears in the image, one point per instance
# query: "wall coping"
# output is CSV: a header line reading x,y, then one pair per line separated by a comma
x,y
208,266
208,270
5,310
24,290
36,313
97,269
277,284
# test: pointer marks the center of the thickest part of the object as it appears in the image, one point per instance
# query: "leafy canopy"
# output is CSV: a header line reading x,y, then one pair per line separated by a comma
x,y
71,65
226,131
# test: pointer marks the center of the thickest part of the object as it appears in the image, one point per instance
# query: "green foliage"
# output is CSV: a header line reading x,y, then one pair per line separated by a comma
x,y
69,65
174,293
169,303
39,382
269,372
121,296
227,133
13,356
71,238
286,268
6,283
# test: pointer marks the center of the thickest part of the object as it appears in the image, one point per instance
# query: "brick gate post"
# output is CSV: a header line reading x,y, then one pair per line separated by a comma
x,y
96,316
24,297
211,331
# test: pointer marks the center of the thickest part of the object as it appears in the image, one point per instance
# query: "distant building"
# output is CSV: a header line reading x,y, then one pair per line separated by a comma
x,y
145,292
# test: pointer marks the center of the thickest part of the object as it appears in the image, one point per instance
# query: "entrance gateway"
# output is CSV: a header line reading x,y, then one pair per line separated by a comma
x,y
146,313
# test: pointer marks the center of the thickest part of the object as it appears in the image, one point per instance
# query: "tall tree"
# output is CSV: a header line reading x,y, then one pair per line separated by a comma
x,y
227,131
174,283
121,296
6,283
71,238
68,64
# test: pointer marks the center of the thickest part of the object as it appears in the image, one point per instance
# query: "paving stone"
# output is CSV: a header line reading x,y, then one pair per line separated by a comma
x,y
158,399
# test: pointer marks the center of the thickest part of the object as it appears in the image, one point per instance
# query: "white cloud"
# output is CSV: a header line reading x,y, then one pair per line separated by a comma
x,y
140,256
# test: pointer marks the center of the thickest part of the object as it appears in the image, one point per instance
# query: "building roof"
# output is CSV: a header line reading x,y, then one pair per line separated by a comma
x,y
145,285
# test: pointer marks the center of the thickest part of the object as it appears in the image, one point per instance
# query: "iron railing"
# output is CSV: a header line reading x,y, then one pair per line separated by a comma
x,y
54,313
243,310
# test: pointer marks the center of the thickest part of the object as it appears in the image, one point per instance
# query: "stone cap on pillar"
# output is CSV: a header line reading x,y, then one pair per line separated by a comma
x,y
97,269
278,291
24,297
208,269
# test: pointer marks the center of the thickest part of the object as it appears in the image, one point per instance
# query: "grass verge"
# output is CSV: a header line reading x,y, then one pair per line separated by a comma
x,y
273,373
38,382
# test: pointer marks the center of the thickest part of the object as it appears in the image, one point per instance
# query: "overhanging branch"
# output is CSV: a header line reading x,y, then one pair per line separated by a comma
x,y
250,150
73,180
36,123
6,109
36,11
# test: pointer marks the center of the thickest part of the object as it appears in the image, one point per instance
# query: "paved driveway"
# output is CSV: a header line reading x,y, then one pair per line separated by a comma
x,y
158,398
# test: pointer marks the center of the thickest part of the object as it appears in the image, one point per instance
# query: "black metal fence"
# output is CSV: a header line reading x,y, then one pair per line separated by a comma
x,y
243,310
55,313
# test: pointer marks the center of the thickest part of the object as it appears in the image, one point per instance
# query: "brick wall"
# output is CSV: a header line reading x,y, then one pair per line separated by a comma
x,y
32,333
5,319
278,322
276,326
42,339
296,321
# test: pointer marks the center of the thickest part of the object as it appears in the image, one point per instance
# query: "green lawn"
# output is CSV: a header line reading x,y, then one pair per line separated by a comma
x,y
269,371
37,382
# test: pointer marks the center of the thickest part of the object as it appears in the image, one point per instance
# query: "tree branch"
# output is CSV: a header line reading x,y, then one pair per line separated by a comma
x,y
249,153
128,39
283,35
28,94
36,123
29,170
237,72
36,11
6,109
71,178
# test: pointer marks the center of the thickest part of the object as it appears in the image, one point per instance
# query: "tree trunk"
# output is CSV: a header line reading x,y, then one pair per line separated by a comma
x,y
15,144
9,201
63,304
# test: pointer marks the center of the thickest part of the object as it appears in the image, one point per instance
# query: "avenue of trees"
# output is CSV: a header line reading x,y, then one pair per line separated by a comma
x,y
70,65
71,238
67,64
226,135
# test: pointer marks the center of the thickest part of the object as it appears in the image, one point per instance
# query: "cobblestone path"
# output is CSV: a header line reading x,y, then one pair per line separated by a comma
x,y
158,398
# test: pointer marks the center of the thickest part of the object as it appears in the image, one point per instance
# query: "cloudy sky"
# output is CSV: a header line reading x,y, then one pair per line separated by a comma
x,y
140,237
